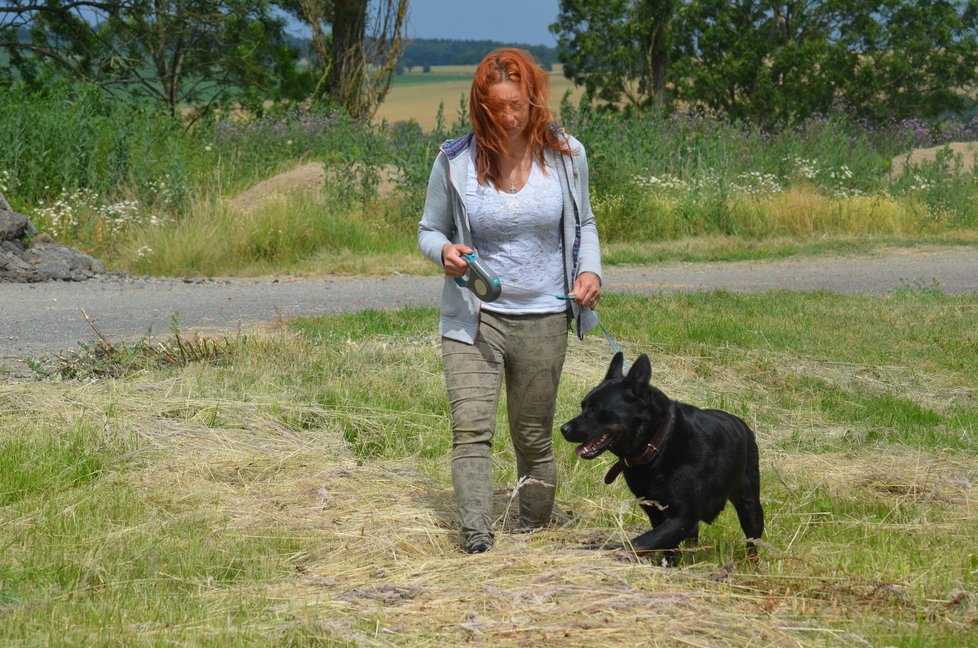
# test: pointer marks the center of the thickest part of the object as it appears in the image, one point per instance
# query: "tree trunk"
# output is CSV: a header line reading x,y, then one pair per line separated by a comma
x,y
655,16
357,61
660,60
349,55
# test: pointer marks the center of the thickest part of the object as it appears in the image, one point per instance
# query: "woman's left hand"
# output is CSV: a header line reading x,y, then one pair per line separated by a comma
x,y
587,290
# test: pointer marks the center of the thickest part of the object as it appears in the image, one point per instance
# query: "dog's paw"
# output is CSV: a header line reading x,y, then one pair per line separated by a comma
x,y
664,559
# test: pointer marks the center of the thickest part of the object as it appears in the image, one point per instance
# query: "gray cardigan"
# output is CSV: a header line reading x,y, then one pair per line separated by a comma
x,y
445,221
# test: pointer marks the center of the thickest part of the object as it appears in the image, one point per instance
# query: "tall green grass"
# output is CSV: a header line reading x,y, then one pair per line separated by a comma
x,y
119,180
659,177
74,139
298,233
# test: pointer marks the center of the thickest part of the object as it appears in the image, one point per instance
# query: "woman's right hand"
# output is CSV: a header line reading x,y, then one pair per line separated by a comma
x,y
453,259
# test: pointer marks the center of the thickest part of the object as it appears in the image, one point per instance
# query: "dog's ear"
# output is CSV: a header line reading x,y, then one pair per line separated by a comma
x,y
614,369
639,375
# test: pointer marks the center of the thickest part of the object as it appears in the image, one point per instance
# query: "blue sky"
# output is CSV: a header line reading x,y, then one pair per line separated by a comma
x,y
510,21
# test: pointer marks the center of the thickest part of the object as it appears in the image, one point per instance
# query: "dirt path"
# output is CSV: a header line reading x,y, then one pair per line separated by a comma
x,y
40,319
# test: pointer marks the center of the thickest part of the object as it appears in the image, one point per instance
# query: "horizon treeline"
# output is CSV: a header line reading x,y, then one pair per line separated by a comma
x,y
421,52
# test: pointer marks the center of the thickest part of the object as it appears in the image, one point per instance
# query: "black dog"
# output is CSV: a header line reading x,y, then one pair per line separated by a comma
x,y
683,463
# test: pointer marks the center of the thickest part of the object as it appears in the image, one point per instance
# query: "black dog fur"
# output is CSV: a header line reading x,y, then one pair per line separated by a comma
x,y
682,463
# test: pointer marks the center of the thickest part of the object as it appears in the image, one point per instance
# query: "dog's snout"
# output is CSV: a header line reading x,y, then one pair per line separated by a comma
x,y
567,430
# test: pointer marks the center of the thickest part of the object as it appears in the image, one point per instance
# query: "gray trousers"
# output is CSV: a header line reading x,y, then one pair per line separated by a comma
x,y
528,351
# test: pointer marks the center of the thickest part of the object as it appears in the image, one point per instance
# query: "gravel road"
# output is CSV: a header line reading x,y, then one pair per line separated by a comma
x,y
41,319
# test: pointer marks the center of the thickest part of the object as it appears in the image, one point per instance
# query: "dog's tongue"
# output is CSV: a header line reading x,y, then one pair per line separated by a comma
x,y
593,446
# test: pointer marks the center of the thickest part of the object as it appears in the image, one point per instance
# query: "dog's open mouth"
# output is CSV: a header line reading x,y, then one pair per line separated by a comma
x,y
594,446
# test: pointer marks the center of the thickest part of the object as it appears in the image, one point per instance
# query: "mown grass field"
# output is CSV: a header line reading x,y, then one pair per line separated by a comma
x,y
293,488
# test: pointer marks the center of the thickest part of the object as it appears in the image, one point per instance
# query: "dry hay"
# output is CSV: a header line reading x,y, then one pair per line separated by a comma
x,y
924,388
892,477
310,178
387,571
383,566
965,150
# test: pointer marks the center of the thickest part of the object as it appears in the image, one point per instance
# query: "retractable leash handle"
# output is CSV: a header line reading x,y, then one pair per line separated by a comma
x,y
480,279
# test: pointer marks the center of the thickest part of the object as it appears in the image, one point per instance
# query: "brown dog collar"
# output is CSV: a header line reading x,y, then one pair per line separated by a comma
x,y
651,451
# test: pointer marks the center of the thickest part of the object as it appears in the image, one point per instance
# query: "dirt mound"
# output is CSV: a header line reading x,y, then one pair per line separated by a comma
x,y
311,177
965,150
307,177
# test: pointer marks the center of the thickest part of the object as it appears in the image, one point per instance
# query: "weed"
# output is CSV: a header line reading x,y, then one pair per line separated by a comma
x,y
106,359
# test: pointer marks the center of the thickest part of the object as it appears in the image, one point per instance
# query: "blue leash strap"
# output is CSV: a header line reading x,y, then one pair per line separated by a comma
x,y
611,341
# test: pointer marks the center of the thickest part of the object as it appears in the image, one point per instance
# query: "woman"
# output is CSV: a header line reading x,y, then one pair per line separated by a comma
x,y
514,191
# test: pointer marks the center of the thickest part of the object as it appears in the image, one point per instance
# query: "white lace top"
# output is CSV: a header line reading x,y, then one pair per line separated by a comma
x,y
518,236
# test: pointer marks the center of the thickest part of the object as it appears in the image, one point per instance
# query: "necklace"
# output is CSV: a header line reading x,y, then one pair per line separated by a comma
x,y
516,165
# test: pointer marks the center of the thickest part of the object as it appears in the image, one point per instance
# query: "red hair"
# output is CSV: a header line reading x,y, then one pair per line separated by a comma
x,y
517,66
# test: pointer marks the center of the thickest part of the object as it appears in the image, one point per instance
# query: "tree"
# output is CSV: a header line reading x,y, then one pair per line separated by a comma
x,y
768,61
921,60
356,49
618,49
778,61
774,62
179,52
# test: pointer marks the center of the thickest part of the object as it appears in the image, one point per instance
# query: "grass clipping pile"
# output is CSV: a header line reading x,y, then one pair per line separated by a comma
x,y
386,569
382,565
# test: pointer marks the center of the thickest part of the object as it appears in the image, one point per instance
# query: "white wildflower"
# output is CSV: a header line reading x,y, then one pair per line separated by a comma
x,y
804,167
756,184
920,183
665,183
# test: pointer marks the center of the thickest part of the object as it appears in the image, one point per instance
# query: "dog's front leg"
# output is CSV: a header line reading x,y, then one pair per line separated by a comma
x,y
666,535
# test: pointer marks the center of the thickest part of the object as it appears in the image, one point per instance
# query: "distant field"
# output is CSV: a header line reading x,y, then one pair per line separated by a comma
x,y
416,95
